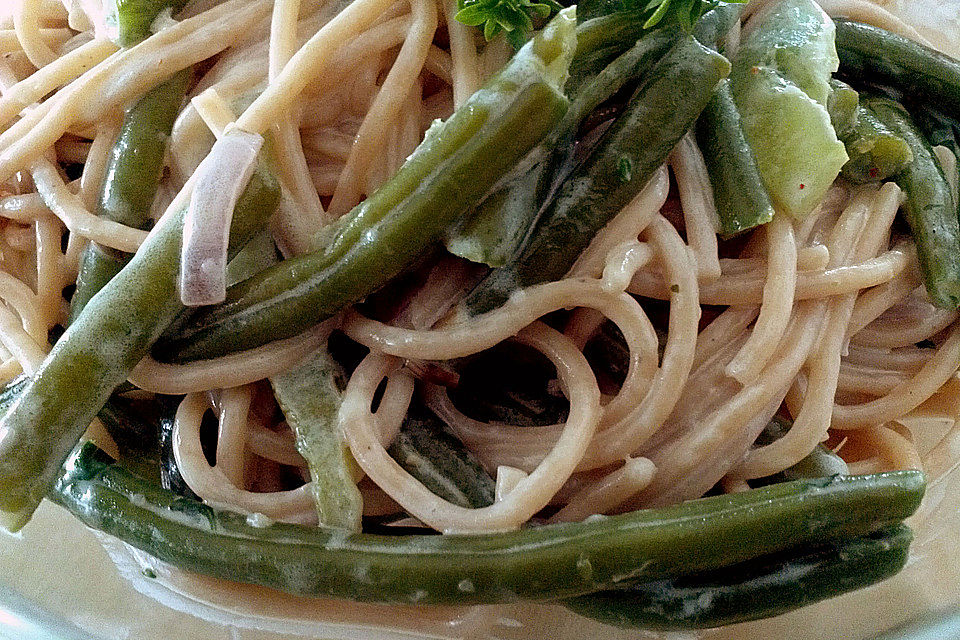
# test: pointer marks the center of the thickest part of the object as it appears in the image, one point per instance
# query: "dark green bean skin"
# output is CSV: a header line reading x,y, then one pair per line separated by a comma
x,y
607,33
132,178
738,192
441,462
756,589
98,351
546,562
876,153
938,129
874,55
930,210
661,111
451,170
134,18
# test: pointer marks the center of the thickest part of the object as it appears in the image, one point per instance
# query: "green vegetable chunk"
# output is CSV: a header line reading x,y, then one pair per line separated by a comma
x,y
547,562
842,106
133,19
780,83
876,153
761,588
310,397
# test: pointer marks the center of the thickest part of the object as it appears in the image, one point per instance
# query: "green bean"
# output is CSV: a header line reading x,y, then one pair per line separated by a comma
x,y
440,462
876,153
457,163
738,192
938,129
929,207
760,588
96,354
310,396
874,55
131,181
545,562
661,111
134,18
606,33
818,463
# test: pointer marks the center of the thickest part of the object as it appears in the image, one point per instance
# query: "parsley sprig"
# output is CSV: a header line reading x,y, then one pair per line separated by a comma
x,y
516,18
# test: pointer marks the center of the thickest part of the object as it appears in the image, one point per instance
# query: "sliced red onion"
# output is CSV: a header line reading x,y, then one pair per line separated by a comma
x,y
206,228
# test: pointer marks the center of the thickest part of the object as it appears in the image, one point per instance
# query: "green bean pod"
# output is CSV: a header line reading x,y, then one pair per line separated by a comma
x,y
546,562
132,178
929,208
874,55
458,162
97,353
661,111
738,192
602,66
756,589
310,396
441,462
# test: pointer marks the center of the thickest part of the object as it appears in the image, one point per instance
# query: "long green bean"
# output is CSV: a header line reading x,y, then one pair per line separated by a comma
x,y
546,562
494,231
929,207
131,181
96,354
874,55
661,111
738,192
457,163
756,589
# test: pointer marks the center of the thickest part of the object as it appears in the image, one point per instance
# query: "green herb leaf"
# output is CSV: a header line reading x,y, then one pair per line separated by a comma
x,y
515,17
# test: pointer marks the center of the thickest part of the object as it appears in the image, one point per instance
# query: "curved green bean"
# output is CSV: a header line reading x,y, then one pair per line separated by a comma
x,y
756,589
546,562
